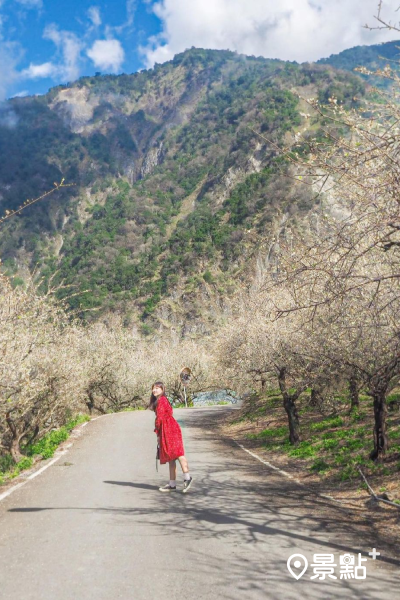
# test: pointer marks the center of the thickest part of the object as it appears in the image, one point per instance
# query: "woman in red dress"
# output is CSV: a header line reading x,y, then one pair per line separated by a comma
x,y
169,437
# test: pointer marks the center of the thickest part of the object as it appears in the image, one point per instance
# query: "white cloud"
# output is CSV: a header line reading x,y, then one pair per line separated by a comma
x,y
21,94
302,30
94,15
35,71
8,117
70,48
107,55
10,56
130,14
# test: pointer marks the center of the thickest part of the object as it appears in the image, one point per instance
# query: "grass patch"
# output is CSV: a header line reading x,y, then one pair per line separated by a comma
x,y
349,472
45,447
332,446
327,424
49,443
358,415
303,450
272,432
319,466
394,433
13,470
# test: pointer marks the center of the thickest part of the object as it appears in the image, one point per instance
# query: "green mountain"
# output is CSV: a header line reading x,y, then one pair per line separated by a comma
x,y
372,57
176,181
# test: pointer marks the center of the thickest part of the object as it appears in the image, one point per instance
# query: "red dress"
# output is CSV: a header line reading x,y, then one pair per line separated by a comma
x,y
171,443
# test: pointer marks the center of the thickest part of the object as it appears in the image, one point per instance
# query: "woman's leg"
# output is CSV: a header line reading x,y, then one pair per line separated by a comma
x,y
172,470
187,478
184,464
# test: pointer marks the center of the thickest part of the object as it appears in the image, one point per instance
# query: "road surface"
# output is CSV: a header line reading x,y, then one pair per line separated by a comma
x,y
94,525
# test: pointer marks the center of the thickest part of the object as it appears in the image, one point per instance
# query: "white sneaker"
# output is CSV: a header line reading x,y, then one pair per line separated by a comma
x,y
167,488
186,485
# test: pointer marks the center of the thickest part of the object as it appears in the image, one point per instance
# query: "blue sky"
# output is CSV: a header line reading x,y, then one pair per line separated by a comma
x,y
47,42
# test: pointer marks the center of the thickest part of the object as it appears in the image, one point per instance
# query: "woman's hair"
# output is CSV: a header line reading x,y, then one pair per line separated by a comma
x,y
153,400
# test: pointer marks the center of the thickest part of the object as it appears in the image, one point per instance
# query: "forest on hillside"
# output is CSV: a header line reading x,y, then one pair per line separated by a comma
x,y
170,174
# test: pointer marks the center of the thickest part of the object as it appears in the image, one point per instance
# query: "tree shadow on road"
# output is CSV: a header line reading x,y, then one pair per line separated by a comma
x,y
258,517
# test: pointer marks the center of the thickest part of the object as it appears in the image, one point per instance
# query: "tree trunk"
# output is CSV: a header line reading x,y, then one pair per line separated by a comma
x,y
354,396
293,417
314,397
90,401
381,442
15,451
34,435
289,403
16,438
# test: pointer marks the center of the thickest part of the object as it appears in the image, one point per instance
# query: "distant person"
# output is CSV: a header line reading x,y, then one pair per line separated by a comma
x,y
169,437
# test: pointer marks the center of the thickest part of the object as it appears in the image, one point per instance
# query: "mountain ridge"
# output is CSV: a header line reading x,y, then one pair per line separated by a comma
x,y
373,58
175,182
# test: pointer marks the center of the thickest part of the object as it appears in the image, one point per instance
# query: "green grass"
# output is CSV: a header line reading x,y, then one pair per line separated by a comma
x,y
319,466
49,443
330,444
394,433
303,450
338,450
333,446
273,432
327,424
358,415
45,447
11,470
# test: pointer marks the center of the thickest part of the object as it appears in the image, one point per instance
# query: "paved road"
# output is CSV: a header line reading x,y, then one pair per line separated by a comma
x,y
99,529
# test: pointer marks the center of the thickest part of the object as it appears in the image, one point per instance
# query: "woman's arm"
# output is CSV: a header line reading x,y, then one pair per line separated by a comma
x,y
163,410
